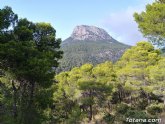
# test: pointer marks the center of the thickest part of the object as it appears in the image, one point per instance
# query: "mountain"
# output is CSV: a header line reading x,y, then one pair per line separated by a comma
x,y
89,44
89,33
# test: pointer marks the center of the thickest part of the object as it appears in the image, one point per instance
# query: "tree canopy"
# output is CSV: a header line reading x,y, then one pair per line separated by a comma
x,y
151,22
29,52
32,93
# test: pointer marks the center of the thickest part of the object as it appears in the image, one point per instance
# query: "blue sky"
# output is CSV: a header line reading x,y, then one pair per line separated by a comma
x,y
115,16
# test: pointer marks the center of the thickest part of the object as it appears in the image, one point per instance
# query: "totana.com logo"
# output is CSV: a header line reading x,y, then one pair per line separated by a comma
x,y
135,120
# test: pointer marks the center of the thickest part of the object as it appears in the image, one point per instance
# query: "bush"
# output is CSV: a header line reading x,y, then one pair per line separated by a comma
x,y
141,104
108,118
155,109
122,108
75,116
136,114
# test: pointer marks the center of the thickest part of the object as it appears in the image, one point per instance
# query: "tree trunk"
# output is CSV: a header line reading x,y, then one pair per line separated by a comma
x,y
130,99
29,115
90,107
15,100
109,106
90,112
31,94
164,101
119,96
148,98
22,100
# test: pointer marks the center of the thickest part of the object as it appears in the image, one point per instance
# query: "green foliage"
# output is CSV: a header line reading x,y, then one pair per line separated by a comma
x,y
76,116
124,111
132,68
122,90
5,100
157,78
109,118
155,109
29,56
122,108
77,53
30,93
83,87
24,30
7,18
137,115
141,104
151,22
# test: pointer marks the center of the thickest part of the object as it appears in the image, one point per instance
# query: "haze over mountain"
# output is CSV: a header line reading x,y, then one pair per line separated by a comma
x,y
90,44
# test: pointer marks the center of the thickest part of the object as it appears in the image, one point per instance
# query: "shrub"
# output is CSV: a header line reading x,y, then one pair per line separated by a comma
x,y
109,118
122,108
155,109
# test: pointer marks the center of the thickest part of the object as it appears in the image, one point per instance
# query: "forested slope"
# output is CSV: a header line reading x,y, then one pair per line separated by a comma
x,y
89,44
110,93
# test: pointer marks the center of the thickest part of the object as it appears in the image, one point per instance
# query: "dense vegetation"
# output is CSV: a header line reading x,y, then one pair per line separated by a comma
x,y
108,93
151,22
77,53
112,92
28,54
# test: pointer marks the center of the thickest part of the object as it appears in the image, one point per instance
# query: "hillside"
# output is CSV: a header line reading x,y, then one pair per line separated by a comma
x,y
89,44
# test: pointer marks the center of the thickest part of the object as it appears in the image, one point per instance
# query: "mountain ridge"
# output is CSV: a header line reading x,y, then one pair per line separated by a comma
x,y
89,44
85,32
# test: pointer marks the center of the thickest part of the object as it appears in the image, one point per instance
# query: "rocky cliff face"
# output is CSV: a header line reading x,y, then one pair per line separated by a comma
x,y
90,33
89,44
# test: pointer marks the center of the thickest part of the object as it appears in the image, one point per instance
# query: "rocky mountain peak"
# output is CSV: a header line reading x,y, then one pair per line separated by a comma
x,y
84,32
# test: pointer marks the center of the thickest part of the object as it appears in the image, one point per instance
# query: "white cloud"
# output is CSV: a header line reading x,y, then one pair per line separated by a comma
x,y
122,25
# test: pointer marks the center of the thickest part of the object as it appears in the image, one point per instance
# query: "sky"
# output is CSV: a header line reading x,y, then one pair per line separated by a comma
x,y
115,16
